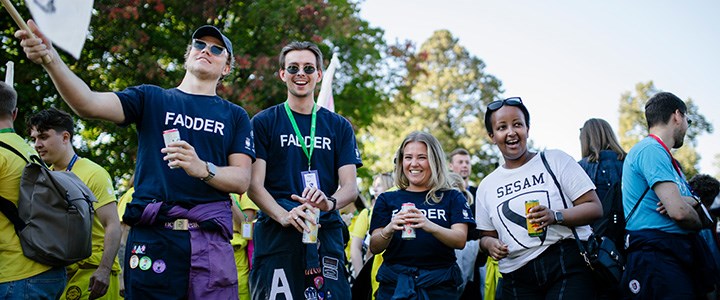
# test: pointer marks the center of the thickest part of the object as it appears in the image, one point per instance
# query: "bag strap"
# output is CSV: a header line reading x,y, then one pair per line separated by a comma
x,y
583,251
6,206
13,150
632,211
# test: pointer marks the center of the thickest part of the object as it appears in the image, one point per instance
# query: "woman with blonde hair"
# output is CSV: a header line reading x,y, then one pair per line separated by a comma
x,y
422,267
602,155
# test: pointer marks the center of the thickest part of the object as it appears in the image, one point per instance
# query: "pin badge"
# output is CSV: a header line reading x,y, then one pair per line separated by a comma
x,y
319,281
134,260
145,263
158,266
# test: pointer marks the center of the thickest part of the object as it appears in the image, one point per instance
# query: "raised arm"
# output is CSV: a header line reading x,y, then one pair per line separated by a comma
x,y
83,101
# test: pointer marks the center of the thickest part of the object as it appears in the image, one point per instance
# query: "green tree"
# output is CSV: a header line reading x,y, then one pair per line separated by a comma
x,y
144,41
443,90
633,125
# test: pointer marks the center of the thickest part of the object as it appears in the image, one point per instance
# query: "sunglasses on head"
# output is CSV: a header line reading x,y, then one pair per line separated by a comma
x,y
214,49
295,69
512,101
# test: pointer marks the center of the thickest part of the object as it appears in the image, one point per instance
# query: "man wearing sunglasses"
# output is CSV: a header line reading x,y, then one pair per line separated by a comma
x,y
307,158
665,255
178,246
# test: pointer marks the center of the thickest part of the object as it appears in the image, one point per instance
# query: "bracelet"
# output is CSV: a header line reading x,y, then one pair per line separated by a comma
x,y
334,202
383,236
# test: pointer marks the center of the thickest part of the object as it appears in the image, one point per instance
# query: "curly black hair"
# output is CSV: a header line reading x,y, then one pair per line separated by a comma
x,y
706,187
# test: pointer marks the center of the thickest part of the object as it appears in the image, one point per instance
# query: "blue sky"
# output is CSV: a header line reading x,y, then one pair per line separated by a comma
x,y
571,60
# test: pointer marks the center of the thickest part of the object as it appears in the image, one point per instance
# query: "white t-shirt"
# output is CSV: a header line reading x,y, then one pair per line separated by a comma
x,y
501,200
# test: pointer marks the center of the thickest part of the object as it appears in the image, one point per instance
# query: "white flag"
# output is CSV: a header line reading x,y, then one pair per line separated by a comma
x,y
64,22
325,97
10,73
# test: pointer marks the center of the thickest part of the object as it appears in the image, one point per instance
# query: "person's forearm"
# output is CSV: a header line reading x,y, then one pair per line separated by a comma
x,y
111,245
379,240
451,237
231,179
266,202
581,214
345,195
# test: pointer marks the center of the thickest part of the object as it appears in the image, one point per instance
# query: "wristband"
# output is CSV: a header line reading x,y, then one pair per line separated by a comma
x,y
383,236
334,202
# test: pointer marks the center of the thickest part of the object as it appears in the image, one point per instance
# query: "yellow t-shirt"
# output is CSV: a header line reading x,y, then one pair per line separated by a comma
x,y
245,203
13,263
124,200
100,184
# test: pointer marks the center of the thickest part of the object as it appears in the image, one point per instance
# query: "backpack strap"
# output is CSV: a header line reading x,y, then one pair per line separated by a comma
x,y
6,206
13,150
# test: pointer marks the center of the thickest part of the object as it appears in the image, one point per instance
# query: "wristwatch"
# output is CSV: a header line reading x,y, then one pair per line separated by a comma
x,y
559,219
212,170
334,202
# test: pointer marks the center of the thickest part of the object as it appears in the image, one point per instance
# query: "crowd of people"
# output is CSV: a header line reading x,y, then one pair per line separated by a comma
x,y
249,208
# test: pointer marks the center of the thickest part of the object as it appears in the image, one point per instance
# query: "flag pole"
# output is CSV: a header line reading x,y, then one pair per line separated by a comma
x,y
21,23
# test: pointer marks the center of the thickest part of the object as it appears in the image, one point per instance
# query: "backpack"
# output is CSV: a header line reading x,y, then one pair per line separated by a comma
x,y
54,214
612,223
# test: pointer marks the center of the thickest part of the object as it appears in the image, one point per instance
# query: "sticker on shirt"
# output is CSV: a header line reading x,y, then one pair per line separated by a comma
x,y
134,261
73,293
330,267
311,293
145,263
310,179
159,266
246,230
138,249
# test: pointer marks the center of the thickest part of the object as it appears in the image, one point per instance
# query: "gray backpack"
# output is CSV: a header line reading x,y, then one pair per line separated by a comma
x,y
54,215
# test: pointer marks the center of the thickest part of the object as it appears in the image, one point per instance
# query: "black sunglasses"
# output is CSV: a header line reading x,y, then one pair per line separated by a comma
x,y
214,49
295,69
512,101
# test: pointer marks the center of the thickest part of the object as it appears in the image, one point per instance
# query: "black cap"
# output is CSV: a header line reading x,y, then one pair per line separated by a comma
x,y
209,30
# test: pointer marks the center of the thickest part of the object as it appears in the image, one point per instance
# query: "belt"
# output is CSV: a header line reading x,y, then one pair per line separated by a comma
x,y
182,224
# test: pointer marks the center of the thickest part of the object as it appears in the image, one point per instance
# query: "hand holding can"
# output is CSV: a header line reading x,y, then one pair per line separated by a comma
x,y
171,135
533,228
311,237
408,232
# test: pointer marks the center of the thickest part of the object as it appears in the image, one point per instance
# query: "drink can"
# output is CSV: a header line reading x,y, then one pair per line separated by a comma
x,y
532,228
311,237
408,232
171,135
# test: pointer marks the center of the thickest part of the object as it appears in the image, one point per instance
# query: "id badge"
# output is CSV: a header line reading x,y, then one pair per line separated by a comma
x,y
310,179
246,230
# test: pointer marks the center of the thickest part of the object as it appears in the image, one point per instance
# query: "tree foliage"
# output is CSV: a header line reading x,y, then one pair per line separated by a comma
x,y
135,42
633,125
443,90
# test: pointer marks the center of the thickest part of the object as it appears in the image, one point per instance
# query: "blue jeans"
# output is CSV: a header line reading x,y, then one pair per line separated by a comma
x,y
558,273
46,285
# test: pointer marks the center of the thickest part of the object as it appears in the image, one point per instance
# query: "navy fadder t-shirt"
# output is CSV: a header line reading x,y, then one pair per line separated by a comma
x,y
277,144
425,251
214,126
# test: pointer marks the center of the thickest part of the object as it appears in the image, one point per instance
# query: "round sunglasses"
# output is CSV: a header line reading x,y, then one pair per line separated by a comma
x,y
214,49
512,101
295,69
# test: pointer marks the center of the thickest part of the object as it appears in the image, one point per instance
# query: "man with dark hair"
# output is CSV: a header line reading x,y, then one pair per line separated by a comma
x,y
706,188
665,258
52,130
178,246
307,158
20,277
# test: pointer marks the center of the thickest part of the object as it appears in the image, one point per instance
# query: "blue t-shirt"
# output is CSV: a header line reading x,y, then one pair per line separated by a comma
x,y
425,251
215,127
647,164
277,144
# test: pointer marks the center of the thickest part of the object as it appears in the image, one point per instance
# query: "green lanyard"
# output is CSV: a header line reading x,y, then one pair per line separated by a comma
x,y
299,135
237,202
5,130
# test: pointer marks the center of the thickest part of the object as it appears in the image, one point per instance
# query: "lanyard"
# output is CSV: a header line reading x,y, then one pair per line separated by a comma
x,y
674,162
237,203
5,130
308,153
72,163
